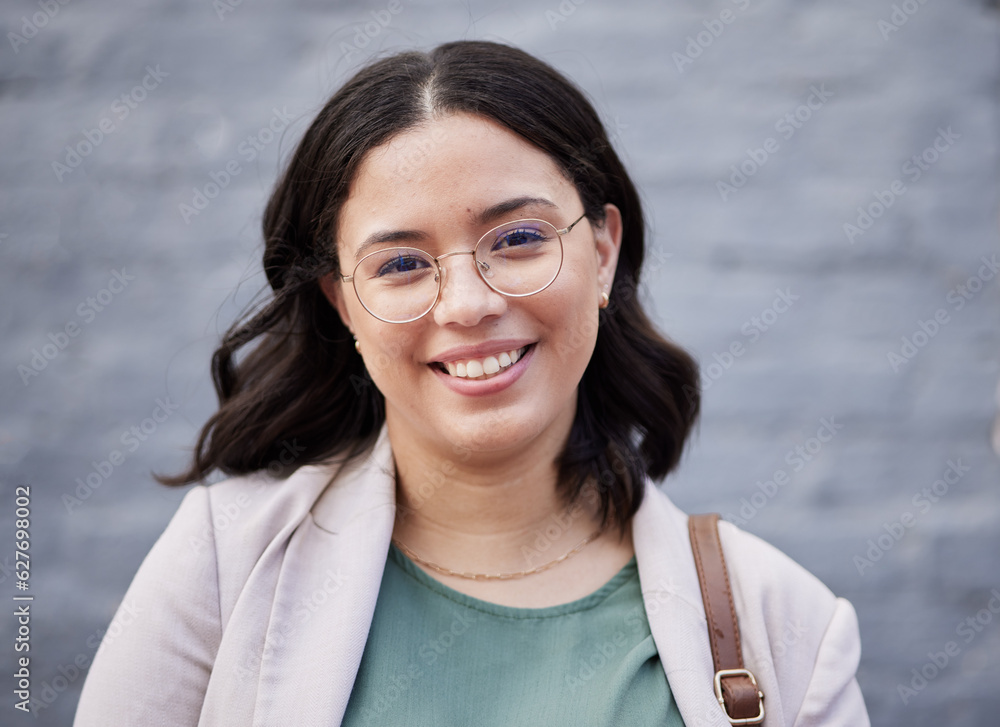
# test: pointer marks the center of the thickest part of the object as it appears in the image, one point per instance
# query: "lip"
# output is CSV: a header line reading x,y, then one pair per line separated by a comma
x,y
481,350
485,387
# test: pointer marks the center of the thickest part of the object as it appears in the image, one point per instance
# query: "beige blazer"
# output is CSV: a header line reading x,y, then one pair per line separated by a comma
x,y
254,606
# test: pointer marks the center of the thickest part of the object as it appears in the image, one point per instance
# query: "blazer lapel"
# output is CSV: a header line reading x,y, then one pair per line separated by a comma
x,y
674,607
325,596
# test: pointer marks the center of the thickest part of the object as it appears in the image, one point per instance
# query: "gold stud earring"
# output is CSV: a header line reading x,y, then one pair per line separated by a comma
x,y
357,344
605,300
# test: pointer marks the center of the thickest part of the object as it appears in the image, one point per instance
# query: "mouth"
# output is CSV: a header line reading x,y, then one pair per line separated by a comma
x,y
480,369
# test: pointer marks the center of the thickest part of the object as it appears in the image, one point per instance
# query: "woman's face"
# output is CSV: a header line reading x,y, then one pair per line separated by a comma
x,y
432,187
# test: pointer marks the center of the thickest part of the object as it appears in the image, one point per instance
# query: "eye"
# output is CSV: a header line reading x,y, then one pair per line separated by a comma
x,y
519,237
401,263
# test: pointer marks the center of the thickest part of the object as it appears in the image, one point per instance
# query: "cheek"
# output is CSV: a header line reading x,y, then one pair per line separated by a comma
x,y
387,352
580,267
573,318
579,337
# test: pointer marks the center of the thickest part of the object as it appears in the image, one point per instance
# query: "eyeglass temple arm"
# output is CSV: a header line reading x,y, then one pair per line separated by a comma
x,y
565,230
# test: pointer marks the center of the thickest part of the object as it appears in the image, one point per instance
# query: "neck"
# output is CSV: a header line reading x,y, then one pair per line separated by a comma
x,y
486,512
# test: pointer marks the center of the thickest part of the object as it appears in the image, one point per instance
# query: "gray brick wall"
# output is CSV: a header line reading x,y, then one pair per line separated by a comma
x,y
694,92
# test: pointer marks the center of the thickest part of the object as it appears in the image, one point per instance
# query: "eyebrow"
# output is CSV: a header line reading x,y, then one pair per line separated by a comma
x,y
490,214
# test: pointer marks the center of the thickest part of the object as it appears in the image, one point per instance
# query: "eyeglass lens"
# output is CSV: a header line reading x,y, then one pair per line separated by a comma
x,y
401,284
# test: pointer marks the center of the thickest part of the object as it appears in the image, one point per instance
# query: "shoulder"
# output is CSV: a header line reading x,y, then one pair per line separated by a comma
x,y
795,627
258,505
247,507
800,640
238,519
766,576
764,579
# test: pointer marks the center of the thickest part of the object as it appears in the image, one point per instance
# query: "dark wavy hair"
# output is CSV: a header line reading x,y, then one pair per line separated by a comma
x,y
303,383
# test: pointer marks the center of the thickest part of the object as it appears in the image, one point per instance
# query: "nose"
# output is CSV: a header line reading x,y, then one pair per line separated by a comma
x,y
465,298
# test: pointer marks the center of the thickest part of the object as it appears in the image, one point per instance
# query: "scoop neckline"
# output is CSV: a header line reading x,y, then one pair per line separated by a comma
x,y
615,583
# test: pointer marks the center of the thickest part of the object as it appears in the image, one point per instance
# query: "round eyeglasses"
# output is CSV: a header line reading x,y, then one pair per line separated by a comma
x,y
516,259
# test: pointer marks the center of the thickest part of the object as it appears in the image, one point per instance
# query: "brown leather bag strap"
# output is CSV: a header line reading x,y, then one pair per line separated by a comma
x,y
735,687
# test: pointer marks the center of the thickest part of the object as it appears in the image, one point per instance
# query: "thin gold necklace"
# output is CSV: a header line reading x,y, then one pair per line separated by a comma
x,y
498,576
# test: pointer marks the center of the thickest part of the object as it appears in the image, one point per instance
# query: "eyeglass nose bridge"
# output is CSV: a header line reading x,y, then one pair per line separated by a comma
x,y
482,268
481,265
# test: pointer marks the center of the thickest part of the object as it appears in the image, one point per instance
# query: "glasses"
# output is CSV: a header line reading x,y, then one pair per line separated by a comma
x,y
516,259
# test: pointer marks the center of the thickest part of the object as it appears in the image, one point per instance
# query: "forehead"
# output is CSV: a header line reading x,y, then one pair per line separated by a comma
x,y
450,167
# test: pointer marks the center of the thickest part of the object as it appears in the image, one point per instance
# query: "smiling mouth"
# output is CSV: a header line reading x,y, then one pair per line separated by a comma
x,y
479,369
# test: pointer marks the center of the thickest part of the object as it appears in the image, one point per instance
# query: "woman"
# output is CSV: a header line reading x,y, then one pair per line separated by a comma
x,y
443,441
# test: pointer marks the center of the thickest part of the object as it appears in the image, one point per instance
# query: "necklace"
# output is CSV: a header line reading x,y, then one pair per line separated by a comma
x,y
498,576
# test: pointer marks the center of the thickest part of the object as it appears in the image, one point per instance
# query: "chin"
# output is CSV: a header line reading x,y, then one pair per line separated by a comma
x,y
506,430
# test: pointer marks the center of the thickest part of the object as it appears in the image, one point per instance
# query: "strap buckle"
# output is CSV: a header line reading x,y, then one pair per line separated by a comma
x,y
724,673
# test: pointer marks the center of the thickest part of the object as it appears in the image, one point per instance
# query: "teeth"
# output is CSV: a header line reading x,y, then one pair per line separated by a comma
x,y
484,368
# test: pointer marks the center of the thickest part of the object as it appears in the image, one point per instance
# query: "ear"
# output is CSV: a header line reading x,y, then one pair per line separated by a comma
x,y
333,290
609,242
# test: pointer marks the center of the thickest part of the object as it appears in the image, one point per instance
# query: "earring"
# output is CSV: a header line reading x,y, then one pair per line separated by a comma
x,y
605,300
357,344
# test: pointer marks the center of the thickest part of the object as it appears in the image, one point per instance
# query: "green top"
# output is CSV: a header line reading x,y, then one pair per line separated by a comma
x,y
438,657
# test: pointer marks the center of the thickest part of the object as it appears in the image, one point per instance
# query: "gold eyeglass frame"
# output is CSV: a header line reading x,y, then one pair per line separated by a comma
x,y
440,270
